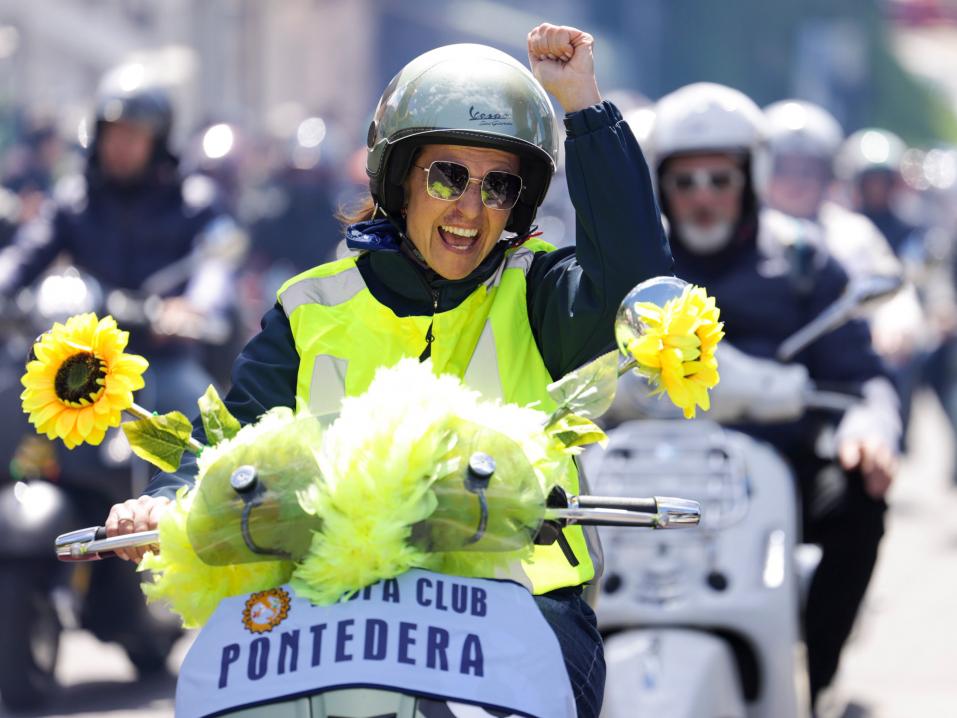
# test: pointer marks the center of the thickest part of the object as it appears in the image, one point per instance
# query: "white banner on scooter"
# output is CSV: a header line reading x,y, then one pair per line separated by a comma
x,y
469,640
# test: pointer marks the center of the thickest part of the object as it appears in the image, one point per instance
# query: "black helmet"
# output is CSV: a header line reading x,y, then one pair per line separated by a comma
x,y
124,96
464,95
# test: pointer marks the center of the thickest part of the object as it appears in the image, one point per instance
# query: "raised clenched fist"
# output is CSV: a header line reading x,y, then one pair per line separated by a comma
x,y
561,59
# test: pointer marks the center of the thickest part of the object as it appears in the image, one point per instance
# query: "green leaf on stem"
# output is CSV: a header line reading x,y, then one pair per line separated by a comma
x,y
573,430
160,440
217,421
588,391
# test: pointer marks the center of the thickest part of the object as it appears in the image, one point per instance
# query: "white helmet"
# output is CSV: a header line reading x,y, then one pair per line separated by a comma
x,y
706,117
802,128
641,120
869,149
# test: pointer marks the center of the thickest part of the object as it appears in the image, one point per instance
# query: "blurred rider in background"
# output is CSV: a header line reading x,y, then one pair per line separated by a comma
x,y
804,140
870,163
712,167
135,228
133,223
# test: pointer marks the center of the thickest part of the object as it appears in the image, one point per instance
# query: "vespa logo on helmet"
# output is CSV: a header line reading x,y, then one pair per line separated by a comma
x,y
489,119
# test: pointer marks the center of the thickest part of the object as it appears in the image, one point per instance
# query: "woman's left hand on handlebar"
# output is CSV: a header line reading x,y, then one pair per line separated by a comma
x,y
561,59
877,463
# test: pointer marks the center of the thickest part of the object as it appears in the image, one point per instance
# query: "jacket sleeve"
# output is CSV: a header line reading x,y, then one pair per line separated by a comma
x,y
574,293
34,247
264,376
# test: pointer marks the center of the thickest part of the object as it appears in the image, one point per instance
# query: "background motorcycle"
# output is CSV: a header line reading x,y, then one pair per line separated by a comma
x,y
44,489
707,624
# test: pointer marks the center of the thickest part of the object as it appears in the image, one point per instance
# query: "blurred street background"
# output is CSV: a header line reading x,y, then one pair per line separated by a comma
x,y
272,101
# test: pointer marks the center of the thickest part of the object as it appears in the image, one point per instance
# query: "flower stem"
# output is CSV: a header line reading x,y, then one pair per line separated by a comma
x,y
138,412
627,366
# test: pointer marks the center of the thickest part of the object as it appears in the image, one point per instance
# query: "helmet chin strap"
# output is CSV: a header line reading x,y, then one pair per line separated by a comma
x,y
398,226
705,240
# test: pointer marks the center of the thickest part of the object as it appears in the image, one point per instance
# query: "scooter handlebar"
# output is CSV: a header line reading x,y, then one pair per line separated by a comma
x,y
92,543
659,512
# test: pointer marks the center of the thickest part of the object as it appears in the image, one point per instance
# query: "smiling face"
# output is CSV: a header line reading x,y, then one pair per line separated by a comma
x,y
454,237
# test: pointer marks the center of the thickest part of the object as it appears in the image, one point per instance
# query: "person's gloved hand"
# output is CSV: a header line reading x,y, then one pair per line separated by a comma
x,y
754,389
177,317
869,434
876,460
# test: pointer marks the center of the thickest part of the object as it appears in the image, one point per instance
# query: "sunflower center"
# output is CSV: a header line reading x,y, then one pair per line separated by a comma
x,y
80,380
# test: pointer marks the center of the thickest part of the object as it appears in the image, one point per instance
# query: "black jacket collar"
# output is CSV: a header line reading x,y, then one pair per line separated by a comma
x,y
398,278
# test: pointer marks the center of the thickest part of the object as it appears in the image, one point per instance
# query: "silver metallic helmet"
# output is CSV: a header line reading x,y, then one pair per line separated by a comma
x,y
869,150
470,95
802,128
706,117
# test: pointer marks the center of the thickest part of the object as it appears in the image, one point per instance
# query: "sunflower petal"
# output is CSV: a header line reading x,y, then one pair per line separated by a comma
x,y
65,422
85,421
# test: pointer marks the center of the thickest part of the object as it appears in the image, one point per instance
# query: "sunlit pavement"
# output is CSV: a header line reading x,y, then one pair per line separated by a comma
x,y
901,662
903,656
97,680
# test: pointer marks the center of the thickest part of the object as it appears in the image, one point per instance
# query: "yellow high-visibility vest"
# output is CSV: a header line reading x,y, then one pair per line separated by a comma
x,y
343,335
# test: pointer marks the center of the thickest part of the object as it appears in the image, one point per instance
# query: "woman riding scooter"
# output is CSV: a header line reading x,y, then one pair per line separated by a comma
x,y
434,278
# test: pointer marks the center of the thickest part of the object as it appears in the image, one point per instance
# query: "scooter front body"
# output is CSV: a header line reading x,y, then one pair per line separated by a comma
x,y
409,647
648,673
733,579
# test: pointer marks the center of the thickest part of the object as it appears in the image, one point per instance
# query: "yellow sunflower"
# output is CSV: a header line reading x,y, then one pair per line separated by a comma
x,y
79,380
676,349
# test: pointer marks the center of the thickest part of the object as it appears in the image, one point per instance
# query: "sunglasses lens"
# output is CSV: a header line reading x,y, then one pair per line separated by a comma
x,y
716,180
447,180
683,182
500,190
721,180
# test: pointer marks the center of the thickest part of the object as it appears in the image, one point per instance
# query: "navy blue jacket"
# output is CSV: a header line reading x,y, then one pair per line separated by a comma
x,y
573,293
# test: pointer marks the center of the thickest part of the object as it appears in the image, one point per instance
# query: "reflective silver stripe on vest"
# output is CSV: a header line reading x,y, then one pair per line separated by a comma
x,y
482,373
519,259
328,387
328,291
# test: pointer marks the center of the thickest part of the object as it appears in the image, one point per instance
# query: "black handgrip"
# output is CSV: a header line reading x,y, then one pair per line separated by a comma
x,y
100,533
642,506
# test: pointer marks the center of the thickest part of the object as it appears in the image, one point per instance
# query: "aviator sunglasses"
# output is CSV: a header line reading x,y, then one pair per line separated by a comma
x,y
449,180
716,180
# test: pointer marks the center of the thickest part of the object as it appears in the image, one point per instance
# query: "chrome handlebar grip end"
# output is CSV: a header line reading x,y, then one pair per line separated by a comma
x,y
73,545
677,513
92,544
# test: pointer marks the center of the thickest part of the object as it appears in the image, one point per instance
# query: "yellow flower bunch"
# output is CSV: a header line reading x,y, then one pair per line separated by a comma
x,y
676,349
79,380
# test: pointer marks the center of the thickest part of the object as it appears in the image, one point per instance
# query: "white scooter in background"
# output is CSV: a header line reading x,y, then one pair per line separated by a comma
x,y
707,623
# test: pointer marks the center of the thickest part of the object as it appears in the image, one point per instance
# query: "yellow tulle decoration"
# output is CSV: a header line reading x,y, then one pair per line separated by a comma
x,y
363,484
81,380
192,588
380,459
676,348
